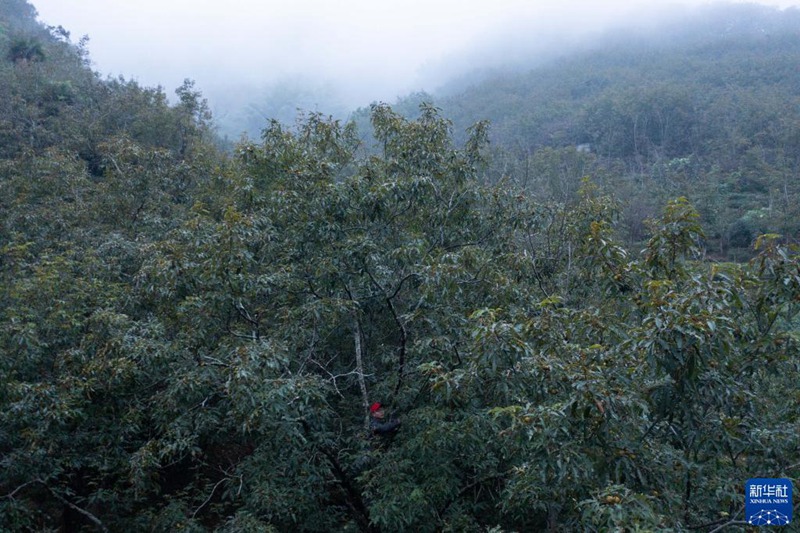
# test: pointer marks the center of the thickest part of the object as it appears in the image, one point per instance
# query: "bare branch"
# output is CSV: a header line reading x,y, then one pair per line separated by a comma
x,y
250,337
334,377
400,325
71,505
360,367
245,314
731,523
357,334
213,360
400,285
209,497
13,492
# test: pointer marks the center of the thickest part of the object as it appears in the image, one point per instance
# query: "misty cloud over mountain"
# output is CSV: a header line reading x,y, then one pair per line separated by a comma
x,y
254,61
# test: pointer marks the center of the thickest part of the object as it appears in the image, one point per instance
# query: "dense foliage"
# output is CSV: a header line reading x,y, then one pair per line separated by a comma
x,y
191,341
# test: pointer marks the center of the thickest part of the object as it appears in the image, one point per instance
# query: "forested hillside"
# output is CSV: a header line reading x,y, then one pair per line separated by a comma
x,y
193,341
705,106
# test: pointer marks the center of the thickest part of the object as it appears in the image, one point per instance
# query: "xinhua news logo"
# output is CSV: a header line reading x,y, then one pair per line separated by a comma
x,y
768,502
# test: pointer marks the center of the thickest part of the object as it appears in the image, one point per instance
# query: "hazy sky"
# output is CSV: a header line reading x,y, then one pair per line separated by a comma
x,y
369,49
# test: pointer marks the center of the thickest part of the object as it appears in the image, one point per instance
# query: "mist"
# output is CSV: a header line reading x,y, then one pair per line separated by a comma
x,y
258,60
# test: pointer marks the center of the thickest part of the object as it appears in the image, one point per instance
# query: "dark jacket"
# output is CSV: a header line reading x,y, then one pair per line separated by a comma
x,y
383,428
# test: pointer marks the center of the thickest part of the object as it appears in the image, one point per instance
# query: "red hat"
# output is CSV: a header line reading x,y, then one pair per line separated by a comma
x,y
374,407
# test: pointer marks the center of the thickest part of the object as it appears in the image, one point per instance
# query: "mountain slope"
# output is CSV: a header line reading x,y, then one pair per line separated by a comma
x,y
706,107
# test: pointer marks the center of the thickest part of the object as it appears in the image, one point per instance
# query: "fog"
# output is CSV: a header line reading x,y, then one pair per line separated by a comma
x,y
260,58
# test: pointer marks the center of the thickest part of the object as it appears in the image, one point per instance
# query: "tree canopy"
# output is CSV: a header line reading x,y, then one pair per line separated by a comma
x,y
191,339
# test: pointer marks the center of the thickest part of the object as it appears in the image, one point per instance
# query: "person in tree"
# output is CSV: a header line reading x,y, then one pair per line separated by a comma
x,y
377,424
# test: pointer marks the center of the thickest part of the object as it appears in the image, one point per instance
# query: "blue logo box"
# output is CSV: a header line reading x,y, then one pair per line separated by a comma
x,y
768,501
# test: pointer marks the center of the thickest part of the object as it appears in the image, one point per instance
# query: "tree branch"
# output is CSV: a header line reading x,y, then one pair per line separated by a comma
x,y
722,523
353,498
400,285
13,492
71,505
209,497
400,326
730,523
359,358
360,367
334,377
